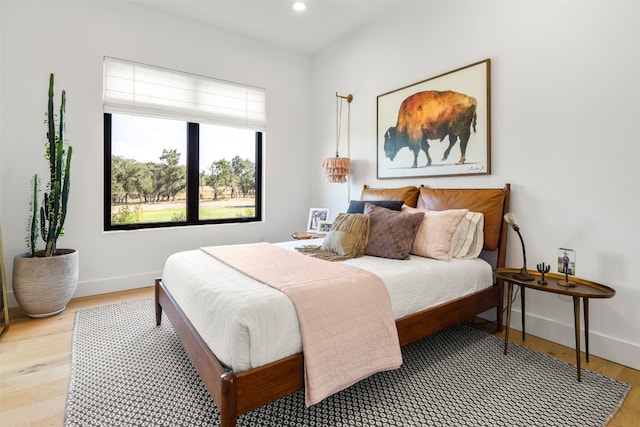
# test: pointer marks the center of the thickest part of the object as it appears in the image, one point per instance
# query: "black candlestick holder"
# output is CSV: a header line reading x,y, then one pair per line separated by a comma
x,y
567,283
543,269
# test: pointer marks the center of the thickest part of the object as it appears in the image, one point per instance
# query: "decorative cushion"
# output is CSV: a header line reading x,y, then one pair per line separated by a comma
x,y
435,232
348,236
489,201
408,194
391,233
357,206
468,238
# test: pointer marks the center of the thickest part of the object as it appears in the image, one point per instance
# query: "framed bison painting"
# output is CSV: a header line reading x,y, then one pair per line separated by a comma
x,y
437,127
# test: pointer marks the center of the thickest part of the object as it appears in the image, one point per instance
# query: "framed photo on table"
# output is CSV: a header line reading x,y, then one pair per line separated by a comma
x,y
440,126
316,215
567,261
324,227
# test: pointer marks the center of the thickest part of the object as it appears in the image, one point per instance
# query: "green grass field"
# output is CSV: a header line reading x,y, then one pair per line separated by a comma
x,y
178,214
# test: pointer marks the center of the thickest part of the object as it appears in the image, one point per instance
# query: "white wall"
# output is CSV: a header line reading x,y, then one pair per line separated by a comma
x,y
565,114
70,40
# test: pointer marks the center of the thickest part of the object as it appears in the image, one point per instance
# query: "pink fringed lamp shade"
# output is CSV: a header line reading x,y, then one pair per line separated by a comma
x,y
336,168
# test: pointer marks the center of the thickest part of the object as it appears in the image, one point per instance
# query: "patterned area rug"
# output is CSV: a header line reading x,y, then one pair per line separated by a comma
x,y
126,371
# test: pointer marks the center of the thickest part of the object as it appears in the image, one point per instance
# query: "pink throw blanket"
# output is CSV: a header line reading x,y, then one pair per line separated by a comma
x,y
346,322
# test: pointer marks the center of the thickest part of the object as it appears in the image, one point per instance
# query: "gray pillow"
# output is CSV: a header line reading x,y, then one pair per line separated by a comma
x,y
357,206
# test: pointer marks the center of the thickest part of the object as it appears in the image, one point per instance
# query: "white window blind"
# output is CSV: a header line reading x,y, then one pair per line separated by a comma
x,y
134,88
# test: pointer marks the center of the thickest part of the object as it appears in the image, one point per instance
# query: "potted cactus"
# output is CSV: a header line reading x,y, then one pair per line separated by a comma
x,y
44,280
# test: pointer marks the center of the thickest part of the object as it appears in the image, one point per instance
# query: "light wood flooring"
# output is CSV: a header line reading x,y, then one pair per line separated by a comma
x,y
35,365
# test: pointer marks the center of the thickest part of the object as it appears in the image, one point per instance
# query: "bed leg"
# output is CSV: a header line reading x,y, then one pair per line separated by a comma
x,y
227,420
158,306
228,396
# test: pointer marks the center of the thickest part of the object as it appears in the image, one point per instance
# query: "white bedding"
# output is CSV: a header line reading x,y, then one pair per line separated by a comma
x,y
248,324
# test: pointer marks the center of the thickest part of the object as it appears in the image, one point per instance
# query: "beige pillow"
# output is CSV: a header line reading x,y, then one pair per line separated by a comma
x,y
468,239
348,236
435,232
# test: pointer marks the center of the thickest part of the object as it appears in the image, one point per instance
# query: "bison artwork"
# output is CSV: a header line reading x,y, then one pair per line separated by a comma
x,y
432,115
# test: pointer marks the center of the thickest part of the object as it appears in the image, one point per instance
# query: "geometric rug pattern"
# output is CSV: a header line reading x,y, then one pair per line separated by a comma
x,y
126,371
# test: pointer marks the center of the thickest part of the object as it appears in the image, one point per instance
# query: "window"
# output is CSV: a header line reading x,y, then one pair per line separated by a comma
x,y
179,149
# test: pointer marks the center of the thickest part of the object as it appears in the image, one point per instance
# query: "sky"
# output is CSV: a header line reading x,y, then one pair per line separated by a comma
x,y
144,138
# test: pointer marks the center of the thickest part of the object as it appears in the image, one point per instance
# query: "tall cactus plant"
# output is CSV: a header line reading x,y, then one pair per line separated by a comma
x,y
53,211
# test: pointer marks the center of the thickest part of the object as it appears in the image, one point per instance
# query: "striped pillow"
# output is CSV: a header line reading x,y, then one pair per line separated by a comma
x,y
468,239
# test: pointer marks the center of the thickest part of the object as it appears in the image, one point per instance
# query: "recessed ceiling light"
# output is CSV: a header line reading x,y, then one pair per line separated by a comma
x,y
299,6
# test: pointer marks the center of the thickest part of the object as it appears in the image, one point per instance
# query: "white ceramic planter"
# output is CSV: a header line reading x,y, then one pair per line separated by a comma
x,y
44,285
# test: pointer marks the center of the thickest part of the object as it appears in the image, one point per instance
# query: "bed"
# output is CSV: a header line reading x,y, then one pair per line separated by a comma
x,y
238,390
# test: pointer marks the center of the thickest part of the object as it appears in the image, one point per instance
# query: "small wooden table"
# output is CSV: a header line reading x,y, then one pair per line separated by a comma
x,y
305,235
584,289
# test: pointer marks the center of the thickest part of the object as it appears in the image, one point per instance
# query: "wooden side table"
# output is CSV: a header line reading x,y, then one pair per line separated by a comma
x,y
304,235
584,289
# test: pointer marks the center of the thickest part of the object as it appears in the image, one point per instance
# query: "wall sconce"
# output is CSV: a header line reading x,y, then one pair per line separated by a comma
x,y
337,168
510,219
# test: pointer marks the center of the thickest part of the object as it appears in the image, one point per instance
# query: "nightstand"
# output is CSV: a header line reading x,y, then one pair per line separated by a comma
x,y
305,235
584,289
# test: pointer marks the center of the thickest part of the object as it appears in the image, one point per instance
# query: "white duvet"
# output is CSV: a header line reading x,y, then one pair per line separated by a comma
x,y
248,324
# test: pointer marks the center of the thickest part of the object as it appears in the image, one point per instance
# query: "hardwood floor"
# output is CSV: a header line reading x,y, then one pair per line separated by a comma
x,y
35,365
35,357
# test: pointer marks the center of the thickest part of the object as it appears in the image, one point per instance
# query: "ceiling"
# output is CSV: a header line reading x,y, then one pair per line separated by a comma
x,y
275,21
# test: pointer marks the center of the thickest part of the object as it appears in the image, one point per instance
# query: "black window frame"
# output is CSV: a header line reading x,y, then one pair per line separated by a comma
x,y
192,189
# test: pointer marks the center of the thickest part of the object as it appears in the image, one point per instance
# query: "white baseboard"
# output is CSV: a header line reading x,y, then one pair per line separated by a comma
x,y
606,347
114,284
103,286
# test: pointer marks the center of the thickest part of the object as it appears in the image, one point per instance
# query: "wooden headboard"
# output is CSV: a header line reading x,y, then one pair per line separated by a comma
x,y
492,202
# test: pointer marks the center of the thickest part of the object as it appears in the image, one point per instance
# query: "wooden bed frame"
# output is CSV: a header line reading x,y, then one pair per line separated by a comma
x,y
236,393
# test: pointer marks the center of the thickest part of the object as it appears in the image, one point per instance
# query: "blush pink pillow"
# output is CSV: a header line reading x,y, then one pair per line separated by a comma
x,y
434,234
